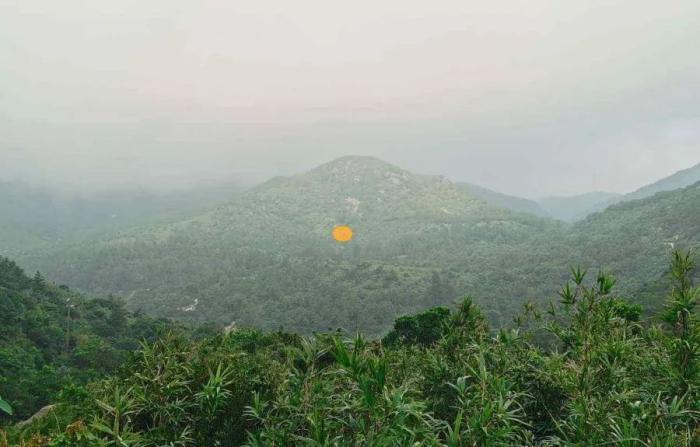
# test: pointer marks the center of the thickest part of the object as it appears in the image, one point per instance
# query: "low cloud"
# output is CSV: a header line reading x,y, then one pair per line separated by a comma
x,y
533,98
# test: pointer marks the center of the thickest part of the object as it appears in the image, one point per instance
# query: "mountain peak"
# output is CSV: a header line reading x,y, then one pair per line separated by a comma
x,y
353,169
356,163
365,186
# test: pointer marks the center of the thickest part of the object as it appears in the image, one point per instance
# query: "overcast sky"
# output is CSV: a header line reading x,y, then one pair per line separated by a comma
x,y
527,97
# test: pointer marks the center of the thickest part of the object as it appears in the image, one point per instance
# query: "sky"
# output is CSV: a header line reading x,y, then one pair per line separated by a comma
x,y
532,97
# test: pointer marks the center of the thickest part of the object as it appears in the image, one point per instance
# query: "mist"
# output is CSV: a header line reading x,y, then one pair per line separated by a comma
x,y
531,98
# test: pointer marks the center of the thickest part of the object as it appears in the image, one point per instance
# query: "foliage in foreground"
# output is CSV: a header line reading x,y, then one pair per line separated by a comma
x,y
588,371
51,337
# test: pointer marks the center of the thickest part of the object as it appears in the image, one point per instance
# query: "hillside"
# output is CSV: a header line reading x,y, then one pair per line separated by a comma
x,y
51,337
633,238
266,257
680,179
578,207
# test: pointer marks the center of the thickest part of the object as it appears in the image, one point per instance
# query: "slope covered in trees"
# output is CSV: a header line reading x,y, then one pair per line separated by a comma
x,y
680,179
599,375
634,238
51,337
266,257
578,207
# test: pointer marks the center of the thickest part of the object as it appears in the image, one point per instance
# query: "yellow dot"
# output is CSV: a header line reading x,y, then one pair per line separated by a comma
x,y
342,233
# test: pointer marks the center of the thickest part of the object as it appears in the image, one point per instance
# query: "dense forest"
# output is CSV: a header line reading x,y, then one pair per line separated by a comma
x,y
247,325
53,339
588,369
265,256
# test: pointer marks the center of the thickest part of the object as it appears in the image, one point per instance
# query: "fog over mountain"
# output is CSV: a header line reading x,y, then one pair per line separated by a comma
x,y
363,223
528,98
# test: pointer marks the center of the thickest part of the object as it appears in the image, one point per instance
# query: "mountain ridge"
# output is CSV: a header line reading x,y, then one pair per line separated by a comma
x,y
284,225
573,208
265,256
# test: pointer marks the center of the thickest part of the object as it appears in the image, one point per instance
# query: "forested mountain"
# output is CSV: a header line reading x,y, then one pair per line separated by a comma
x,y
680,179
51,337
265,260
632,238
578,207
266,257
506,201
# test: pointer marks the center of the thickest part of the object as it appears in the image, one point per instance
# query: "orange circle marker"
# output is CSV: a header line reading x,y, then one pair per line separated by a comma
x,y
342,233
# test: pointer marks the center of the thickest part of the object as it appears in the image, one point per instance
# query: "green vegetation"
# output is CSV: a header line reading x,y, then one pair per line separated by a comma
x,y
52,338
5,407
589,371
680,179
265,259
578,207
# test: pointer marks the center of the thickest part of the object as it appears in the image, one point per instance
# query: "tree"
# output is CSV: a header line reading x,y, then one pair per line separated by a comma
x,y
680,314
38,282
422,329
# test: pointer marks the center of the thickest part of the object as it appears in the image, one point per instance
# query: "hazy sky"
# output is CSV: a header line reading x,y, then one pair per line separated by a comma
x,y
527,97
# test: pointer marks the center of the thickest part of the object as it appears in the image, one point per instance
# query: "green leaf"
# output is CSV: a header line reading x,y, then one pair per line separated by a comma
x,y
4,406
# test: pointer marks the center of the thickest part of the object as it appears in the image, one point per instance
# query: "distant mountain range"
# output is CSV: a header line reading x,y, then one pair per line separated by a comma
x,y
578,207
265,257
680,179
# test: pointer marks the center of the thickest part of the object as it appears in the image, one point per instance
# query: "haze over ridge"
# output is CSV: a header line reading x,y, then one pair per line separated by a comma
x,y
534,98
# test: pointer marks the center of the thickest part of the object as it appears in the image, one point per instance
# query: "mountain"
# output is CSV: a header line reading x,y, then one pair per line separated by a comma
x,y
680,179
266,257
572,208
633,238
577,207
506,201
